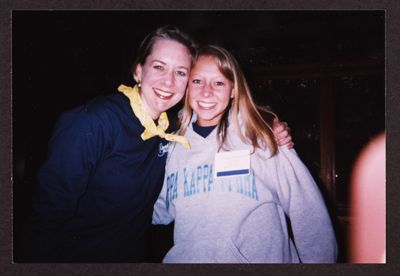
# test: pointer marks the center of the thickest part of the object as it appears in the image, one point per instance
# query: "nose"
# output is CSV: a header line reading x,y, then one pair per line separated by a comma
x,y
169,79
207,90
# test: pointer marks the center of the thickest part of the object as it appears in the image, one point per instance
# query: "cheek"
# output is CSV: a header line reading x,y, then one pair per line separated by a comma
x,y
150,76
146,78
181,94
192,93
225,98
190,89
182,82
181,90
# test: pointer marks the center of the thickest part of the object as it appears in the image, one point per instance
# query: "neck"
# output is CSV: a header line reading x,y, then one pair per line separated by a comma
x,y
205,125
203,131
145,107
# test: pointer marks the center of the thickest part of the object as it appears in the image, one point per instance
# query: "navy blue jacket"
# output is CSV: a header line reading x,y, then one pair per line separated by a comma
x,y
97,188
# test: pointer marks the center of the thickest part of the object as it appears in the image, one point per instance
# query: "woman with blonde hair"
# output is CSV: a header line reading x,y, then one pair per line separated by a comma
x,y
234,193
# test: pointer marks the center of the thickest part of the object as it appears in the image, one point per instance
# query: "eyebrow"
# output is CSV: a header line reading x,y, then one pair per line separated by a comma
x,y
162,62
157,60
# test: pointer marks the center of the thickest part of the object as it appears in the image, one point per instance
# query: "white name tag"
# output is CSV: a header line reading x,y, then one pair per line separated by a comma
x,y
232,163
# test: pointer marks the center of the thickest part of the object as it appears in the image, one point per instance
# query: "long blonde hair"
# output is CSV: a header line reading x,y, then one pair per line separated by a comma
x,y
257,120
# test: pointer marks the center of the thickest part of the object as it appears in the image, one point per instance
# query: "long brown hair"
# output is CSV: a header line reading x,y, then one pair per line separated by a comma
x,y
256,120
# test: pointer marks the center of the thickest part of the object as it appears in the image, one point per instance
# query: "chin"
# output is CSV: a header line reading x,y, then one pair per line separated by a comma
x,y
164,107
206,119
206,114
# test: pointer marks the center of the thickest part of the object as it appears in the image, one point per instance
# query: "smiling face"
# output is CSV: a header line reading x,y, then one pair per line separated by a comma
x,y
209,91
163,76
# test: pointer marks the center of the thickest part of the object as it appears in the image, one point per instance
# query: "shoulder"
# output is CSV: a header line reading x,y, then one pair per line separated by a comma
x,y
289,161
102,110
107,104
108,109
283,156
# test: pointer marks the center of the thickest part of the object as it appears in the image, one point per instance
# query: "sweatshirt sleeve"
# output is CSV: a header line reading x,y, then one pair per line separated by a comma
x,y
161,212
164,210
73,152
303,203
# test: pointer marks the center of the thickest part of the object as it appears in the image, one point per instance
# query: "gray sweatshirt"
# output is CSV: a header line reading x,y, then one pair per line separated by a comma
x,y
241,218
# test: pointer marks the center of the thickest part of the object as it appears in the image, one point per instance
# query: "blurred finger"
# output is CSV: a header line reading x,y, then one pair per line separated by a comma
x,y
284,141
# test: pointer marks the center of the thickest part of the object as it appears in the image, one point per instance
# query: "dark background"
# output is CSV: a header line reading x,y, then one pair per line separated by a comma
x,y
321,71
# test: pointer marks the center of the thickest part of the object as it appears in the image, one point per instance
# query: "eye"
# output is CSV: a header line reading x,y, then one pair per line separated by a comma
x,y
196,81
159,67
219,83
181,73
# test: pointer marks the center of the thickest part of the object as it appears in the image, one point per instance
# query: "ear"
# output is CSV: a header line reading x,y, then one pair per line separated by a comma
x,y
138,73
233,93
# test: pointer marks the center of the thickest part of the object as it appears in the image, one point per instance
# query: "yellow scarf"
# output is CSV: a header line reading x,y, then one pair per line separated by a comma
x,y
145,119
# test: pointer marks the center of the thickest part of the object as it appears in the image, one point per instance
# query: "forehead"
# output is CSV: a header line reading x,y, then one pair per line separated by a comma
x,y
206,65
165,49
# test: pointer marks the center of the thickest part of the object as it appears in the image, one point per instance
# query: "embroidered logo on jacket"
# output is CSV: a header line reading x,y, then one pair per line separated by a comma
x,y
163,149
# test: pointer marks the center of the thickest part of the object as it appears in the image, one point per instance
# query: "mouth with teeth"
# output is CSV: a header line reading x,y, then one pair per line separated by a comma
x,y
164,95
206,105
